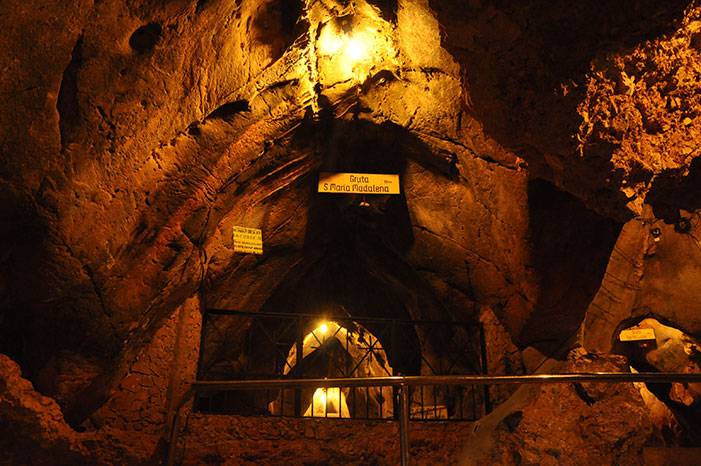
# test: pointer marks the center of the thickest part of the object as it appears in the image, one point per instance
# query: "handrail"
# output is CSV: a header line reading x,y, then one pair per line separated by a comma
x,y
607,377
404,382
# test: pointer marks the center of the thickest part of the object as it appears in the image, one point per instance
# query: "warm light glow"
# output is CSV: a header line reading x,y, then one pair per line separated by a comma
x,y
323,328
350,55
329,42
328,402
352,48
346,48
356,49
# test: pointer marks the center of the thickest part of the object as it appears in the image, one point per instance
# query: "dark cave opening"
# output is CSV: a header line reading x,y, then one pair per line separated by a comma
x,y
571,246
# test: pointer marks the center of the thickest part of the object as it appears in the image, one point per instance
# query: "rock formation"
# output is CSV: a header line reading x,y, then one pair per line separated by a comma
x,y
549,162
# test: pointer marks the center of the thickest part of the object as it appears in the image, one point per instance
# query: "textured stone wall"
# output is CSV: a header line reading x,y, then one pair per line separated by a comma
x,y
235,440
569,424
135,135
654,270
32,429
157,378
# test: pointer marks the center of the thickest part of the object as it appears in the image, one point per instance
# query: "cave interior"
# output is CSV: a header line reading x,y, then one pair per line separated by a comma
x,y
212,190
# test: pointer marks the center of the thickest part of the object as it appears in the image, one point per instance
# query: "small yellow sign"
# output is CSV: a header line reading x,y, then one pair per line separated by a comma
x,y
358,183
637,334
248,240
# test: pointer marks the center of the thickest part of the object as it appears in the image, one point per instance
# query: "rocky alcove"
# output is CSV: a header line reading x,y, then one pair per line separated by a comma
x,y
547,161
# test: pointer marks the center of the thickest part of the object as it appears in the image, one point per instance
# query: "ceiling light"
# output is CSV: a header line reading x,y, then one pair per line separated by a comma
x,y
356,49
351,53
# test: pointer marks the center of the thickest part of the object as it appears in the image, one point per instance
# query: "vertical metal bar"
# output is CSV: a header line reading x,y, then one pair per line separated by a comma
x,y
397,357
282,402
423,416
172,437
393,344
203,336
298,364
404,424
348,362
367,402
485,369
353,395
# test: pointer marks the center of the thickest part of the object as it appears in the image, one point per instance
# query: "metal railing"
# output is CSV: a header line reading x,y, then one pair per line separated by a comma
x,y
239,345
404,384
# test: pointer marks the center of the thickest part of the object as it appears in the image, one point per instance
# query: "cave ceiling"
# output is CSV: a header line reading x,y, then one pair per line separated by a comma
x,y
136,134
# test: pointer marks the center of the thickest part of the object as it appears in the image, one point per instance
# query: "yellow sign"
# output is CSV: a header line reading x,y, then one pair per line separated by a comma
x,y
249,240
637,334
358,183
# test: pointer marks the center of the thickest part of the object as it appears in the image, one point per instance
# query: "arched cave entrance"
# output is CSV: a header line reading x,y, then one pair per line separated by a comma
x,y
338,350
354,266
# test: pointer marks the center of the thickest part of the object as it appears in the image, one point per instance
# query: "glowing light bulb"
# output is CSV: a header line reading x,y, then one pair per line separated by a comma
x,y
345,54
323,328
328,402
356,49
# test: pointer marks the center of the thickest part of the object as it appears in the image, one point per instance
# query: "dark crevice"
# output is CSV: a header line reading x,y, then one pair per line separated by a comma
x,y
583,394
145,38
201,5
277,24
388,9
229,110
676,189
570,246
511,422
67,104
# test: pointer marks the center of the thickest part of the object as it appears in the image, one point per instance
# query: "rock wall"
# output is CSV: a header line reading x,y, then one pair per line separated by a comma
x,y
32,428
135,135
654,270
252,441
159,376
131,425
599,98
571,424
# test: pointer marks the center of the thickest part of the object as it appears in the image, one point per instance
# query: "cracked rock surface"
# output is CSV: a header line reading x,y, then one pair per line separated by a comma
x,y
538,145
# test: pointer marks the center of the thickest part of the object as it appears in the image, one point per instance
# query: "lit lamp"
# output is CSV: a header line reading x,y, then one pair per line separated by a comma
x,y
328,402
323,328
349,53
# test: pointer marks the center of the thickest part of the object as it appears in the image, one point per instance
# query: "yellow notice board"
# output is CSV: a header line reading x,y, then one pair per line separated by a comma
x,y
637,334
248,240
358,183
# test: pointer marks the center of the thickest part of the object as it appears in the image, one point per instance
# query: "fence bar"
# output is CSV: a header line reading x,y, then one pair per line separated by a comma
x,y
485,370
404,382
404,423
423,380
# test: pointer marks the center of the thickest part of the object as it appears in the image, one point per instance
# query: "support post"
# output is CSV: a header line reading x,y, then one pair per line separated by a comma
x,y
404,423
299,345
485,370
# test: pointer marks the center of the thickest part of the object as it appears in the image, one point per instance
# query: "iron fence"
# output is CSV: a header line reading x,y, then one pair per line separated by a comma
x,y
404,385
241,346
